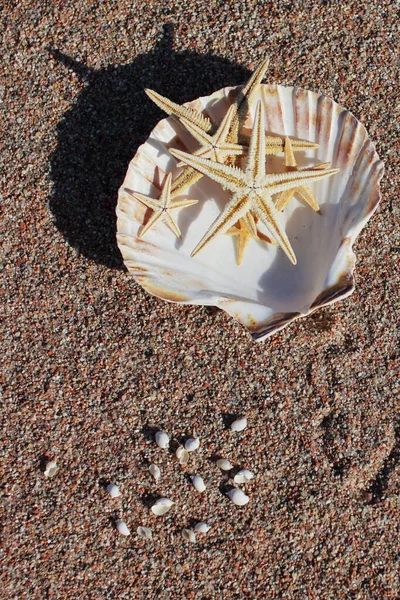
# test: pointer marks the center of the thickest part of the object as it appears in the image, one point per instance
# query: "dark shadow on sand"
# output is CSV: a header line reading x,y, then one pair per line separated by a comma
x,y
101,132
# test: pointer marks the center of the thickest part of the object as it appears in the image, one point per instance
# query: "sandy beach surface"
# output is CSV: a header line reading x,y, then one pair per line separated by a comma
x,y
93,365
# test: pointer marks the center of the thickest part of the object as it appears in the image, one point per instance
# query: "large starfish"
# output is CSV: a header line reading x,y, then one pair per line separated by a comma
x,y
161,207
302,191
245,230
252,188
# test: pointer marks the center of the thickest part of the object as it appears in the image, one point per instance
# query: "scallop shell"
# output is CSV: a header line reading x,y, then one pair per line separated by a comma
x,y
266,292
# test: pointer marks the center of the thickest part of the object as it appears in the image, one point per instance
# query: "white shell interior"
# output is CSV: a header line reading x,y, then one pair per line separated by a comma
x,y
266,291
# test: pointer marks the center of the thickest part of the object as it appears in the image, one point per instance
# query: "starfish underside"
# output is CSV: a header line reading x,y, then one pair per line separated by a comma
x,y
252,188
161,207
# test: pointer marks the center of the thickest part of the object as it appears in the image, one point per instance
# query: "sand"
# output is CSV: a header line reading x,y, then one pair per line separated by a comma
x,y
93,365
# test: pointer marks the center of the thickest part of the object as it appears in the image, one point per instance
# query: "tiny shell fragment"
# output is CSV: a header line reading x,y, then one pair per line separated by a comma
x,y
162,439
189,535
113,490
239,424
122,527
161,507
51,469
182,455
192,444
243,476
155,472
224,464
238,497
198,483
202,527
144,532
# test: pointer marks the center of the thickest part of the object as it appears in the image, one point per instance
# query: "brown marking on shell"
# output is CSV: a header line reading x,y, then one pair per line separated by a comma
x,y
343,287
274,114
301,116
273,324
162,292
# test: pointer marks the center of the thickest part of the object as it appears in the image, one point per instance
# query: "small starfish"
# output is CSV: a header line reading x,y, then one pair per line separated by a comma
x,y
252,189
302,191
246,230
211,146
161,207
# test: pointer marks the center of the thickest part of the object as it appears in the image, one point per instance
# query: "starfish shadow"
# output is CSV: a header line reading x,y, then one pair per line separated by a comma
x,y
315,239
101,132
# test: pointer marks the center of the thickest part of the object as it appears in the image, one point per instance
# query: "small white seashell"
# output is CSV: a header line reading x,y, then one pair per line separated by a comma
x,y
192,444
239,424
155,472
144,532
238,497
189,535
122,527
113,490
162,439
224,464
202,527
182,455
243,476
198,483
161,507
51,469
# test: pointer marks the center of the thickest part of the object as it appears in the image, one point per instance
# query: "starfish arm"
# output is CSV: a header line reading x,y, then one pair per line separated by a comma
x,y
156,216
266,211
319,167
149,202
184,180
250,224
279,182
181,203
222,132
165,196
197,132
304,193
244,239
255,166
290,160
230,178
176,110
172,225
302,145
284,199
233,211
244,98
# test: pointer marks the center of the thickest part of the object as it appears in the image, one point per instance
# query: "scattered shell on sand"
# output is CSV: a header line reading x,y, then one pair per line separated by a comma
x,y
144,532
189,535
243,476
182,455
113,490
122,527
51,469
162,439
155,472
161,507
198,483
202,527
192,444
224,464
238,497
239,424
